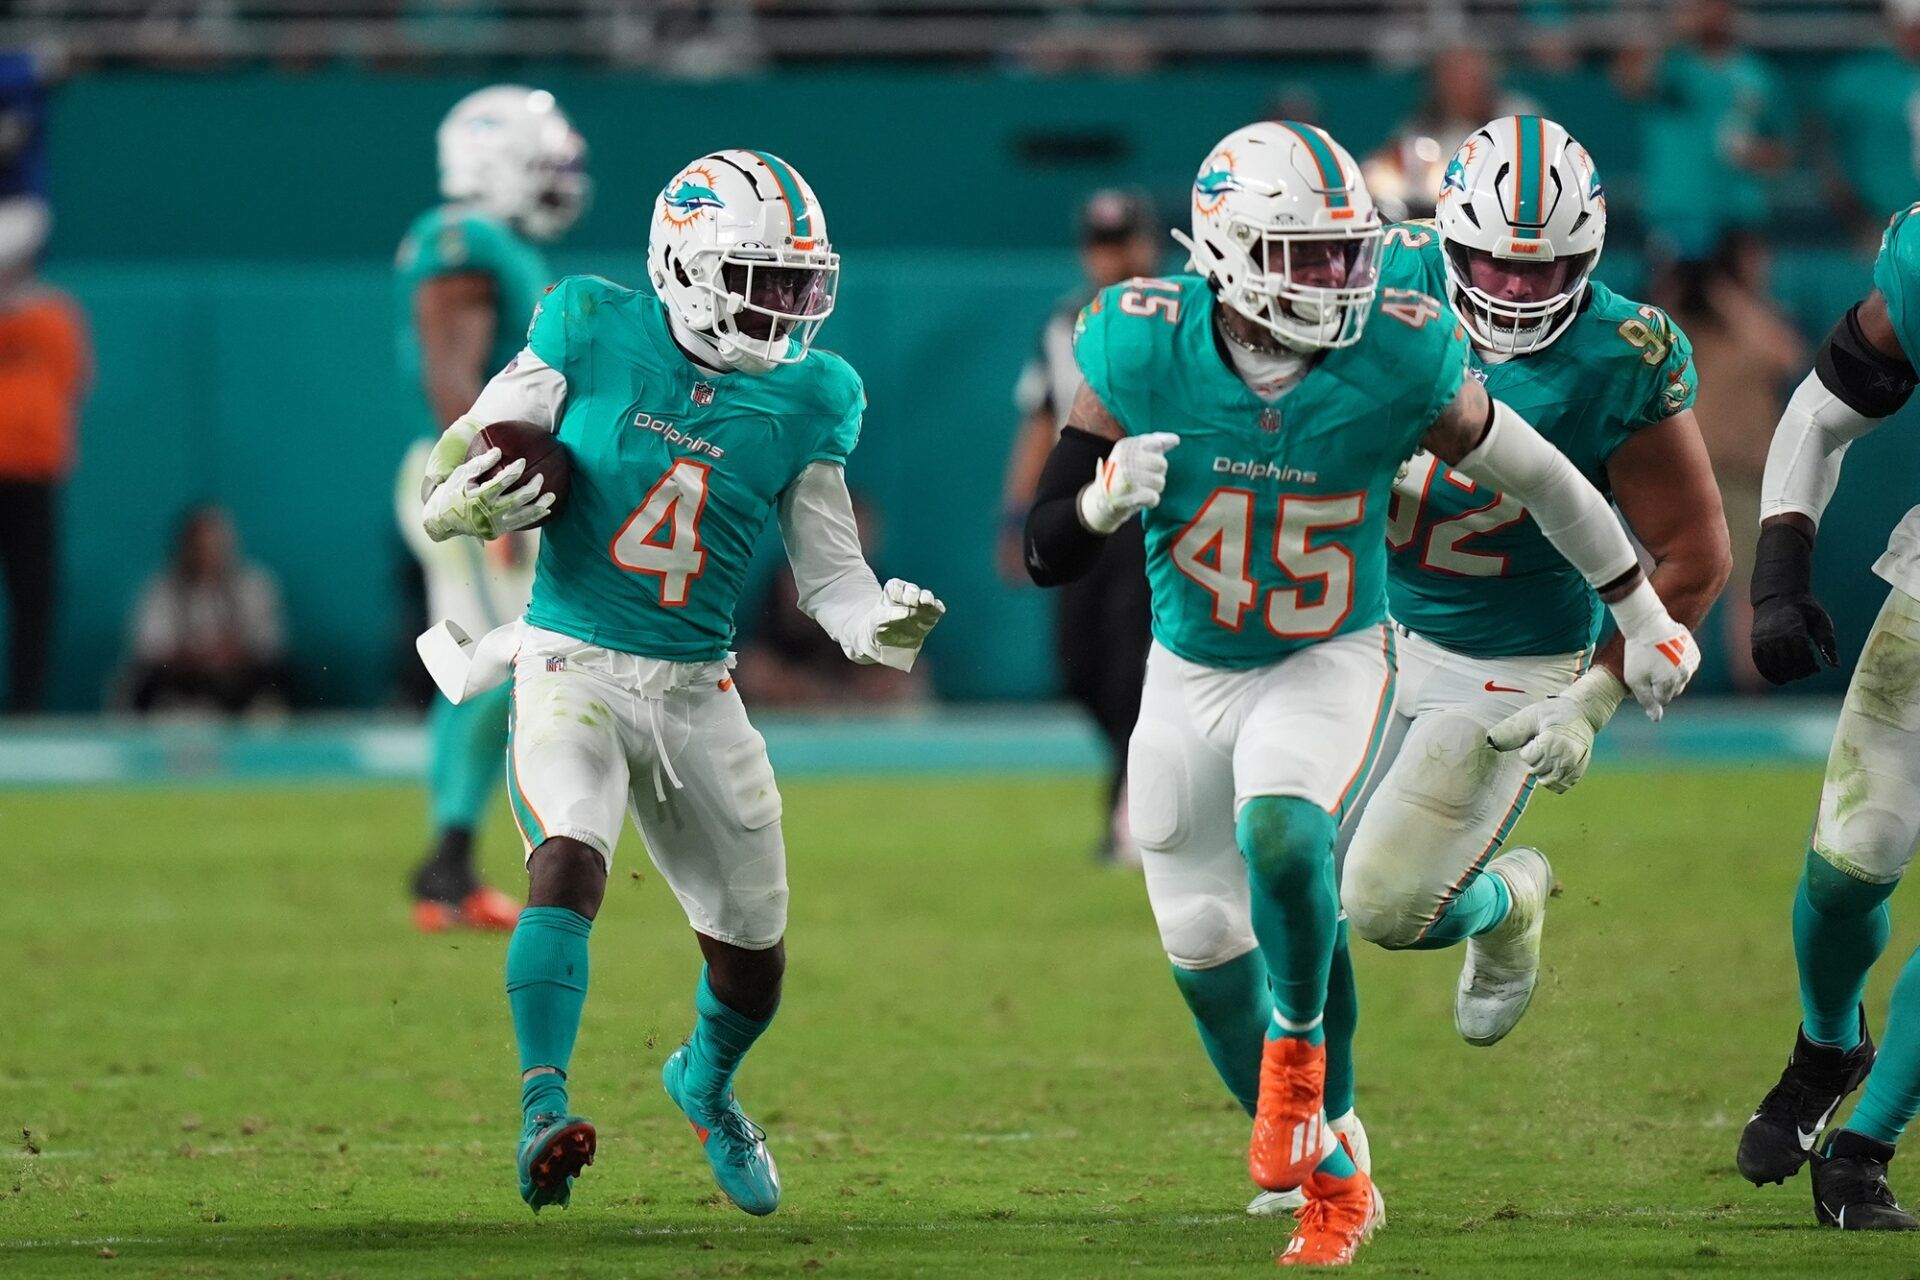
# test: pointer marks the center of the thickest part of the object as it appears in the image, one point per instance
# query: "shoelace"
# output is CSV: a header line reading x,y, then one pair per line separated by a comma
x,y
1872,1185
734,1123
1328,1216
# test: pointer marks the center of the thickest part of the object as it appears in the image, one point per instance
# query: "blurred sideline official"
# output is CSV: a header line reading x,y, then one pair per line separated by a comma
x,y
1101,628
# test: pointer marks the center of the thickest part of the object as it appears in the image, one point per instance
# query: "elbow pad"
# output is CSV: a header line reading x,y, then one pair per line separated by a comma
x,y
1058,545
1866,379
1576,519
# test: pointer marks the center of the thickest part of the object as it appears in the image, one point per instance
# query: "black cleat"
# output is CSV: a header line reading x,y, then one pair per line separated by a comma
x,y
1850,1188
1780,1136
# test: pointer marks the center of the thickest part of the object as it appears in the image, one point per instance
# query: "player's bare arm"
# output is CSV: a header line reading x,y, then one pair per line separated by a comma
x,y
1488,442
1663,484
455,318
1860,377
1024,465
1096,479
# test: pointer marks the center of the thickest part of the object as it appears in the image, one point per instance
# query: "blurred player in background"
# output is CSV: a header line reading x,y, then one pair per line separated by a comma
x,y
46,365
1254,416
691,415
1869,818
1101,627
470,272
1495,628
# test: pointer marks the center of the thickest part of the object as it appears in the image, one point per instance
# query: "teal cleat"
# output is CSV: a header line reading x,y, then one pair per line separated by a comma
x,y
553,1150
736,1147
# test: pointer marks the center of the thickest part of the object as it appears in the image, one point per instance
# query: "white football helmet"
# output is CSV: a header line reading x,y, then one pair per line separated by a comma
x,y
740,253
1522,218
511,152
1285,232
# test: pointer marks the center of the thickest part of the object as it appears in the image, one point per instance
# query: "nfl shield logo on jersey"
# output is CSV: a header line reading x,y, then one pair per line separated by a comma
x,y
703,394
557,662
1269,419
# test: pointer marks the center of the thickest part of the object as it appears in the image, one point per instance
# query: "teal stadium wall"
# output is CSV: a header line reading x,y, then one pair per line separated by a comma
x,y
230,235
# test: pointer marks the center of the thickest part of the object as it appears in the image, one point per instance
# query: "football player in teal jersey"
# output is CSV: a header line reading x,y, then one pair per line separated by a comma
x,y
1496,628
1869,817
468,274
1254,415
692,416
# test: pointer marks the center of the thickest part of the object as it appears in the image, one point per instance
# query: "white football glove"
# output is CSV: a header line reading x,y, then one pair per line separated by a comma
x,y
1661,654
448,452
1555,737
902,616
464,503
1128,480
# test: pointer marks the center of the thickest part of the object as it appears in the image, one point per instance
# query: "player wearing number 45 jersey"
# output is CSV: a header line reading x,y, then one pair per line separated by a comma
x,y
1255,415
691,418
1495,627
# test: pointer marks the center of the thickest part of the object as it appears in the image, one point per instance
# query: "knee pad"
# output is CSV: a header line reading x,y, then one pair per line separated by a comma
x,y
1286,841
1202,931
1378,899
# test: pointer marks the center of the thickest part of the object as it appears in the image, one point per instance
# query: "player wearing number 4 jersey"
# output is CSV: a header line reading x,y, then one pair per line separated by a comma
x,y
1495,626
691,418
1254,415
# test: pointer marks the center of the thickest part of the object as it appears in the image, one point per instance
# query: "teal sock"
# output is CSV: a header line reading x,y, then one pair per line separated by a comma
x,y
1341,1021
721,1038
1231,1007
1893,1086
1338,1162
546,989
1483,904
1288,845
1840,927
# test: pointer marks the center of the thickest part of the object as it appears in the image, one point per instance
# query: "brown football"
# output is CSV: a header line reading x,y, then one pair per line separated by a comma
x,y
545,456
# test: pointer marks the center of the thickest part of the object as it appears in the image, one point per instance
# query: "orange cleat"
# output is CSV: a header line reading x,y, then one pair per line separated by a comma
x,y
1290,1131
1340,1214
430,916
488,908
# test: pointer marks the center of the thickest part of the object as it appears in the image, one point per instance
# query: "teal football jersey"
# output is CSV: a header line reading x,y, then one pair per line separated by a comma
x,y
675,472
1271,533
451,240
1470,570
1896,274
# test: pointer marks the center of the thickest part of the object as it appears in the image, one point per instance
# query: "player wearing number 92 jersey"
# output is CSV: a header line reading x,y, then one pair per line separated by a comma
x,y
1495,626
1254,415
691,418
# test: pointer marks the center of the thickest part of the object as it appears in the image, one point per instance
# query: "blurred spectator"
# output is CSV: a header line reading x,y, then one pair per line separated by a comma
x,y
207,633
1872,126
790,662
44,371
1747,354
1462,93
1101,629
1715,129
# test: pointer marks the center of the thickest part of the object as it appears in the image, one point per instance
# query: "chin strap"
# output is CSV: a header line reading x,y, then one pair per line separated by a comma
x,y
699,347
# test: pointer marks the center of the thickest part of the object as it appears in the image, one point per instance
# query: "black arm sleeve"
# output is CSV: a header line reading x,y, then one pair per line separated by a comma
x,y
1058,547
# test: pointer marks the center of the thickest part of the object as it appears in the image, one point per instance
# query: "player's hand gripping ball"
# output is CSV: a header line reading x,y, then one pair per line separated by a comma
x,y
514,477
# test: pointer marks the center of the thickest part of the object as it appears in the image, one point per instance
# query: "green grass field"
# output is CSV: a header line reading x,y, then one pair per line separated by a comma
x,y
230,1056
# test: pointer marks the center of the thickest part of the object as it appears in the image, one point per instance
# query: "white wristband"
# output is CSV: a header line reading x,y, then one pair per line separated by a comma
x,y
1639,611
1599,694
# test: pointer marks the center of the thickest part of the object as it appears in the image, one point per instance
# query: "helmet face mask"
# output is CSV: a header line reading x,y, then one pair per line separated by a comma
x,y
1522,218
740,255
1310,288
1286,234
